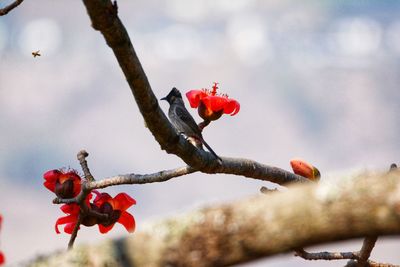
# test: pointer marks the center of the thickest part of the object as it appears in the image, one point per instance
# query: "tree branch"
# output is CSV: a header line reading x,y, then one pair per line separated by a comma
x,y
132,178
326,255
5,10
244,167
103,15
265,225
75,232
366,249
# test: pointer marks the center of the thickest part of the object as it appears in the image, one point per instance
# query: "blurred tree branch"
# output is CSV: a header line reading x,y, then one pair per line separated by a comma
x,y
249,229
6,9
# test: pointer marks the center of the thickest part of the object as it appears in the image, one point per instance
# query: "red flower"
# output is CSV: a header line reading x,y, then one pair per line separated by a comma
x,y
63,184
305,169
70,220
1,253
210,105
116,209
1,258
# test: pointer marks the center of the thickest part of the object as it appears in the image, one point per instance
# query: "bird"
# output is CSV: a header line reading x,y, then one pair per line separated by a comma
x,y
183,121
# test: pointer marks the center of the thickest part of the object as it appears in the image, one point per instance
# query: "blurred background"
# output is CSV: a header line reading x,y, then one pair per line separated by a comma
x,y
315,79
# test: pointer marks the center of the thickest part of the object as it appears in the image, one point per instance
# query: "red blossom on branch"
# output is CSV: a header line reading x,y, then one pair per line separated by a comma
x,y
305,169
70,220
73,211
63,184
210,105
116,209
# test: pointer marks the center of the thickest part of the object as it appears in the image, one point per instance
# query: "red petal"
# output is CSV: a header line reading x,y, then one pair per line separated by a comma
x,y
52,175
302,168
69,228
232,107
122,202
215,103
2,259
128,221
51,178
89,197
64,220
50,185
104,229
194,97
70,208
101,199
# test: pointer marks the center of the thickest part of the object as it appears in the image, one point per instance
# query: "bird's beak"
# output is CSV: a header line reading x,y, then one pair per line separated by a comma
x,y
164,98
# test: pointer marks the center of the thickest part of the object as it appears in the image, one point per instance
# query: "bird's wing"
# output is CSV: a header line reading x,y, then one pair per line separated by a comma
x,y
184,115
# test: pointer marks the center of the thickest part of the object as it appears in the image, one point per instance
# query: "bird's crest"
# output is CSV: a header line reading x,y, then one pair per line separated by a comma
x,y
172,95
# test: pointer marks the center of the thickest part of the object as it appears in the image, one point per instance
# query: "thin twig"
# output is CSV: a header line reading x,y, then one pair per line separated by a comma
x,y
58,200
82,155
204,124
132,178
369,263
366,249
325,255
5,10
266,190
75,231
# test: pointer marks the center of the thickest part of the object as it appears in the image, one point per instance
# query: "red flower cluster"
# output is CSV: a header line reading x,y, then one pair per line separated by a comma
x,y
1,253
115,208
63,184
210,105
305,169
68,185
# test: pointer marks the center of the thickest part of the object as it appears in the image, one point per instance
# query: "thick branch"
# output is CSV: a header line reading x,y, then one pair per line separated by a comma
x,y
5,10
103,15
252,228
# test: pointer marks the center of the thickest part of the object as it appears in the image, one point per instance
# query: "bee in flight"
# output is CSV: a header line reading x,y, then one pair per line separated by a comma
x,y
36,53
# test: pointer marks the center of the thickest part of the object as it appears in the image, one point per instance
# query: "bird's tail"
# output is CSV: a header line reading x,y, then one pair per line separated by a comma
x,y
210,149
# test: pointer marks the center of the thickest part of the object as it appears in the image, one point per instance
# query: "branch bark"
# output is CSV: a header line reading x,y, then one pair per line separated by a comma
x,y
5,10
252,228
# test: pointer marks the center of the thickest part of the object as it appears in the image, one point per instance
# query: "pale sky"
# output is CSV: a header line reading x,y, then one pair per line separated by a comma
x,y
315,79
